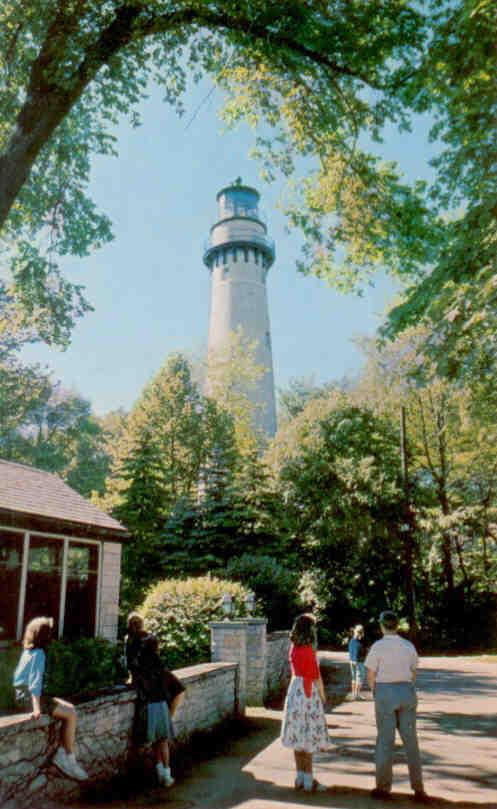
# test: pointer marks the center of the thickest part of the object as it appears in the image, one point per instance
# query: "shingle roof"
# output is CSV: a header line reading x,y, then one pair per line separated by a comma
x,y
43,494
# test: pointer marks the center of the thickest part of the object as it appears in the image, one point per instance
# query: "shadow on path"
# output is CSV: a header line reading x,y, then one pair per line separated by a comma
x,y
246,768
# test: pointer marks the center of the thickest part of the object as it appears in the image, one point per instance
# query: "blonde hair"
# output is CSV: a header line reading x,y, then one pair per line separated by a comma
x,y
135,623
358,630
38,633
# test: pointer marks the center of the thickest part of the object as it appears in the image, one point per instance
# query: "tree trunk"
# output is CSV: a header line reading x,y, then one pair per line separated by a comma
x,y
35,125
444,502
47,103
408,531
447,566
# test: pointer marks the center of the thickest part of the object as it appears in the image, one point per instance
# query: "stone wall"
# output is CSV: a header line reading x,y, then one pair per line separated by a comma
x,y
103,736
277,674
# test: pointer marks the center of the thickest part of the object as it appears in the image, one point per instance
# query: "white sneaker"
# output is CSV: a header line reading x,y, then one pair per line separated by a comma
x,y
314,786
60,760
164,776
77,771
66,763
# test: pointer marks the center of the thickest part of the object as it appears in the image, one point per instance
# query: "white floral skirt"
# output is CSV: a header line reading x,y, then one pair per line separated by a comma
x,y
304,723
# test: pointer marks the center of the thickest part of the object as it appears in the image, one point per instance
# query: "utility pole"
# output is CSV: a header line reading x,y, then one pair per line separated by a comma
x,y
407,528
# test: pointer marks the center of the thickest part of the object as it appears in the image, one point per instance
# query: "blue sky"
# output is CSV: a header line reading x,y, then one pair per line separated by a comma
x,y
149,286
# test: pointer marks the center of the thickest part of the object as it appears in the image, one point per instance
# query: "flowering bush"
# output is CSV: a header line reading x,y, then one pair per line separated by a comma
x,y
178,612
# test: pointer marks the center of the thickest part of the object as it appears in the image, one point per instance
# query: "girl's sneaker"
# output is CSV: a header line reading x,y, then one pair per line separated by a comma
x,y
77,771
314,786
67,764
164,776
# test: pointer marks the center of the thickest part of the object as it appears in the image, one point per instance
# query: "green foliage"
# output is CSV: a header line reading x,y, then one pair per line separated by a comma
x,y
163,448
456,296
293,399
320,84
235,512
338,472
178,613
47,427
8,661
274,585
452,455
82,666
321,76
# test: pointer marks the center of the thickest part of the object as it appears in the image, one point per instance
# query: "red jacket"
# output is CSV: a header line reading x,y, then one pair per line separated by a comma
x,y
304,664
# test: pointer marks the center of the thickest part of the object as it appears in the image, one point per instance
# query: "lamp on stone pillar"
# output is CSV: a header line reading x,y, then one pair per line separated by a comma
x,y
250,603
227,605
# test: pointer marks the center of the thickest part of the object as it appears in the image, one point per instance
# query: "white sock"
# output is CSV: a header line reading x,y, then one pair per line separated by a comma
x,y
300,776
308,779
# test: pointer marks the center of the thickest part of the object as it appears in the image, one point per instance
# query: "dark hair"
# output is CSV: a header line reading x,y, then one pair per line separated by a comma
x,y
304,630
38,633
150,643
135,623
389,620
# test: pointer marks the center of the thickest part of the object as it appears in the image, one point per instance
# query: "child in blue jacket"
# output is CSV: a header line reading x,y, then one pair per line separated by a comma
x,y
357,654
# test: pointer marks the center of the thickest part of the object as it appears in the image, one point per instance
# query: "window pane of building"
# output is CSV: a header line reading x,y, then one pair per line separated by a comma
x,y
81,591
44,579
11,546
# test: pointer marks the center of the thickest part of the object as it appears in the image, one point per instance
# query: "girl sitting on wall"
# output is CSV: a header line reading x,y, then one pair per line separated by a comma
x,y
28,684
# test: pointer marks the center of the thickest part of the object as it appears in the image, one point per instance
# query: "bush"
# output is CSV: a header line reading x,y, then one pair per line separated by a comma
x,y
8,662
178,612
274,585
82,666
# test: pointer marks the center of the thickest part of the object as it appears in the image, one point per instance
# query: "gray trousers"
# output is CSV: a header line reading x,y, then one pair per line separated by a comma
x,y
395,707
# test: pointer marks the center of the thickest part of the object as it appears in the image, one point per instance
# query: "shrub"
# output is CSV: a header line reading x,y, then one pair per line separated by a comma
x,y
274,585
82,666
178,612
8,662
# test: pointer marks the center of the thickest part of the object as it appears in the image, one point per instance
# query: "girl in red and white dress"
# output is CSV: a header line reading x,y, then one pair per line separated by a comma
x,y
304,724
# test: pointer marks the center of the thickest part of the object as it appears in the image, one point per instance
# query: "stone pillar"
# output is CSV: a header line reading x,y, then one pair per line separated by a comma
x,y
229,645
244,642
256,660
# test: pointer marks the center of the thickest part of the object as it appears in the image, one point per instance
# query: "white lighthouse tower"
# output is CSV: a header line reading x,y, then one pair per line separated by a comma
x,y
239,255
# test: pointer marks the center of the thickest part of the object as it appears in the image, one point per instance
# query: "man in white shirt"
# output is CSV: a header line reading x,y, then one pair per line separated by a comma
x,y
391,665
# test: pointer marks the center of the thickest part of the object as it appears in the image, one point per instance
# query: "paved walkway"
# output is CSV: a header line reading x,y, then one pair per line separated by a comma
x,y
458,735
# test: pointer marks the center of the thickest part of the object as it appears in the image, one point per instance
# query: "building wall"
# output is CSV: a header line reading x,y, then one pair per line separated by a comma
x,y
103,736
109,592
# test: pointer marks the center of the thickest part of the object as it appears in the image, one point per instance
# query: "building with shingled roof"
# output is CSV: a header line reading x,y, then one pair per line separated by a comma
x,y
59,556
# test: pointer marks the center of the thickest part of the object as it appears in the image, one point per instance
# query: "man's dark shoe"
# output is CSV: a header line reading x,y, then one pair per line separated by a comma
x,y
420,796
381,795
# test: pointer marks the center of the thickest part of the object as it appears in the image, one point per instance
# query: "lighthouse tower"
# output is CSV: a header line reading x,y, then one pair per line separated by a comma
x,y
239,255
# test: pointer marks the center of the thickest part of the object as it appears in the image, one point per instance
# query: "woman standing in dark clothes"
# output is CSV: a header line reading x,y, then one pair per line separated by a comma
x,y
161,692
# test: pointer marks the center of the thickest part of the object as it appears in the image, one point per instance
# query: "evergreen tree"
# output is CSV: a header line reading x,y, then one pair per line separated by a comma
x,y
142,510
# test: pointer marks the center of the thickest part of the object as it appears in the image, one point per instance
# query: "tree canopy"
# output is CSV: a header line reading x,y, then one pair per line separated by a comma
x,y
313,76
319,82
456,295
